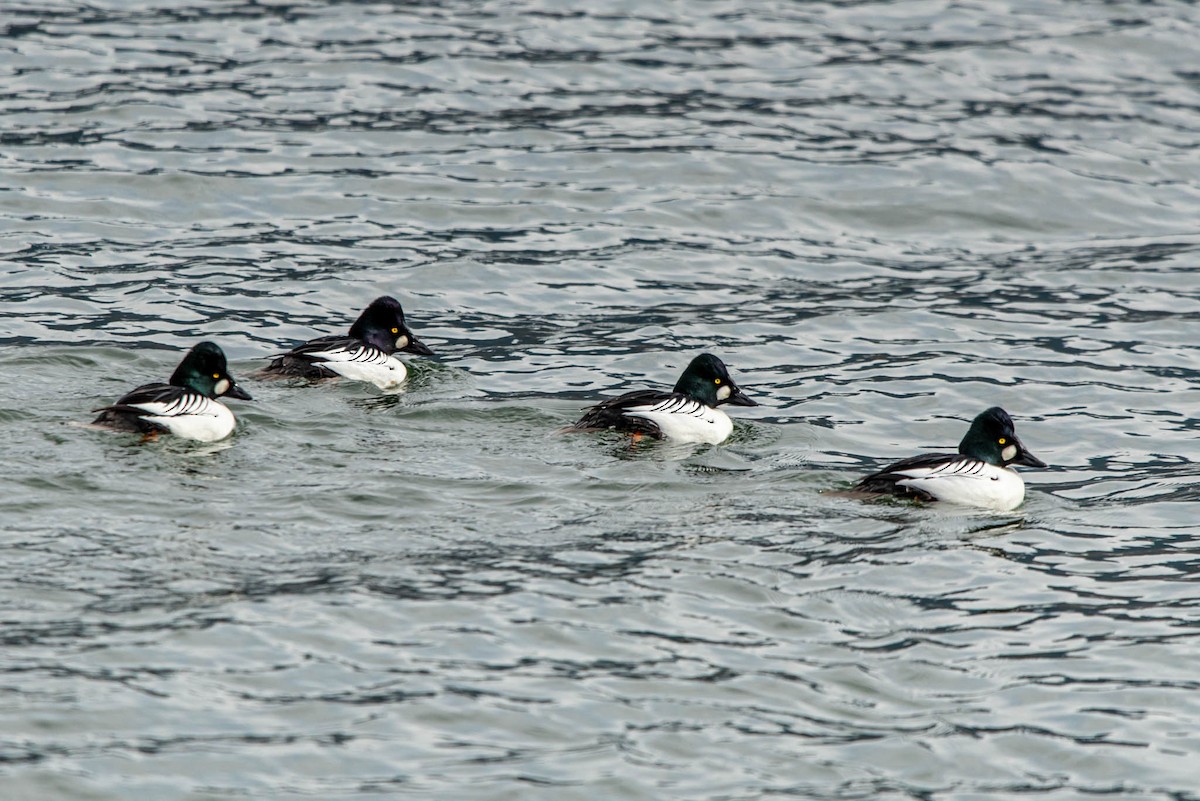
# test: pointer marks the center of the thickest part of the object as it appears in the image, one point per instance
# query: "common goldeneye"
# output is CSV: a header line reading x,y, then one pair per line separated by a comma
x,y
187,406
364,355
688,413
978,475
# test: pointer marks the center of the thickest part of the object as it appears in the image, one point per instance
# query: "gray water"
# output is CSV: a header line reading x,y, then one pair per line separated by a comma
x,y
885,217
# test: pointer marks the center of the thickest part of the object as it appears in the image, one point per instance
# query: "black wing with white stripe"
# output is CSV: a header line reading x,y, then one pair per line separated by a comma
x,y
157,400
611,414
930,464
307,360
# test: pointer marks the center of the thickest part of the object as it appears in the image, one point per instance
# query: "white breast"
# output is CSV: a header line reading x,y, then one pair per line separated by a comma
x,y
365,364
970,483
192,417
686,420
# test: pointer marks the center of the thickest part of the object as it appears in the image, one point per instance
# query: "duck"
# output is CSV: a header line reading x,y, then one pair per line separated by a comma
x,y
979,475
688,413
186,406
363,355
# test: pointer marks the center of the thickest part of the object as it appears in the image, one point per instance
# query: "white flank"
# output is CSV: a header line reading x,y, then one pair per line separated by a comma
x,y
365,364
686,420
191,417
970,483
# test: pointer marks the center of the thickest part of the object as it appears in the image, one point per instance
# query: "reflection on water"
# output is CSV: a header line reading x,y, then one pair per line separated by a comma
x,y
885,217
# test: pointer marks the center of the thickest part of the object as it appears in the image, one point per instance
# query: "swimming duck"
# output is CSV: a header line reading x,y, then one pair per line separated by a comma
x,y
980,474
364,355
688,413
186,406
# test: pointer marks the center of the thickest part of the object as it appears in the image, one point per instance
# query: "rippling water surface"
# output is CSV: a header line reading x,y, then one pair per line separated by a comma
x,y
885,216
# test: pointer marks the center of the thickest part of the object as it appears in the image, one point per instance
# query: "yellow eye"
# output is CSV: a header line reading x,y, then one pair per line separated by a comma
x,y
1002,440
395,330
716,381
216,375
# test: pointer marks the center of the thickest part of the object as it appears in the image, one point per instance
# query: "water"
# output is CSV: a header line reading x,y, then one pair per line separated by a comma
x,y
884,216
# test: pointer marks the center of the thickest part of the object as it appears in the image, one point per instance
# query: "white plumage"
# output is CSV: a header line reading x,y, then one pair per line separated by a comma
x,y
364,363
192,416
970,482
686,420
